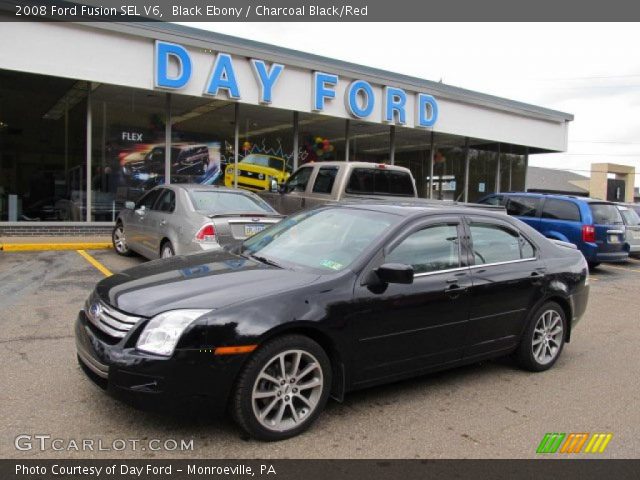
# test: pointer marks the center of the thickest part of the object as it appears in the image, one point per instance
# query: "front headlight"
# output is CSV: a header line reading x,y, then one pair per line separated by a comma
x,y
161,334
229,171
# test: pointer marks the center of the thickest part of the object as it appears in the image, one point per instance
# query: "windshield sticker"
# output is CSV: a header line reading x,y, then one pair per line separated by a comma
x,y
331,264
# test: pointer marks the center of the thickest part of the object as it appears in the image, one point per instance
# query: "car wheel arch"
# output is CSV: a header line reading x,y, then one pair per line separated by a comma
x,y
338,387
563,302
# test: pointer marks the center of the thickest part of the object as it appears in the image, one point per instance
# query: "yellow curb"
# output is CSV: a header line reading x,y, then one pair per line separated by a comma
x,y
104,270
27,247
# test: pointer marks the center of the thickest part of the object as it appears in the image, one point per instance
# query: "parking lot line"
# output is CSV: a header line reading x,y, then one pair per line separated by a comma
x,y
623,268
104,270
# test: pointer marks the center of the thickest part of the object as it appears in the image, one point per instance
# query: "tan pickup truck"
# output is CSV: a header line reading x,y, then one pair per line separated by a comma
x,y
330,182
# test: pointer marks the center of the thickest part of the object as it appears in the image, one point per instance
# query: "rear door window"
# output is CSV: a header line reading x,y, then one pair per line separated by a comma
x,y
605,214
378,181
560,210
496,244
523,206
325,179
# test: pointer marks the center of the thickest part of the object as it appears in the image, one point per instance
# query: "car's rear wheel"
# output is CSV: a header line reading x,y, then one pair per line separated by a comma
x,y
119,241
167,251
542,342
283,388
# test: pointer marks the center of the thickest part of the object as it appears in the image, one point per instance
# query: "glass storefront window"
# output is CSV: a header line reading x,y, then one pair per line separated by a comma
x,y
42,148
413,151
128,139
202,135
483,162
448,172
369,142
320,138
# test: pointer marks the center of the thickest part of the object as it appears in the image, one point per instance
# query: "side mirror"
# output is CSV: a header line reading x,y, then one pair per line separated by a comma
x,y
141,210
395,273
274,186
129,205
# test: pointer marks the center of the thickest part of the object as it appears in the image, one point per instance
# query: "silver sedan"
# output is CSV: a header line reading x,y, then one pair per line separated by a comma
x,y
181,219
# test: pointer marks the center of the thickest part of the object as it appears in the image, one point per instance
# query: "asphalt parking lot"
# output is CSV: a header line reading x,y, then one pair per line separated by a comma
x,y
486,410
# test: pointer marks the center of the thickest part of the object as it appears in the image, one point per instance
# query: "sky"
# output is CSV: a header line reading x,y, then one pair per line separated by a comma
x,y
591,70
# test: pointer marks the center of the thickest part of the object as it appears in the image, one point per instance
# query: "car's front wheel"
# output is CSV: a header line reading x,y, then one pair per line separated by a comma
x,y
542,342
283,388
119,241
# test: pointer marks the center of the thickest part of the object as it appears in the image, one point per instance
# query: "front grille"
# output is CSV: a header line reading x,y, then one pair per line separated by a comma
x,y
109,320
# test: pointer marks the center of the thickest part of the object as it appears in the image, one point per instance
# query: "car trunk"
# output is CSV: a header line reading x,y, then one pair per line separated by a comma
x,y
235,227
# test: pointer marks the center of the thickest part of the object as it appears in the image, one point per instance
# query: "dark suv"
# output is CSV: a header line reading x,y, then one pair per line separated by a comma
x,y
594,226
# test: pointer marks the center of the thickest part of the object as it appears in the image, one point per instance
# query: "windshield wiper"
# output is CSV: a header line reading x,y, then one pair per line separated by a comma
x,y
265,260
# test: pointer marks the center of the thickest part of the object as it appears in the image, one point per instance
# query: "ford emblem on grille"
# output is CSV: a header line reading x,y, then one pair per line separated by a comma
x,y
94,310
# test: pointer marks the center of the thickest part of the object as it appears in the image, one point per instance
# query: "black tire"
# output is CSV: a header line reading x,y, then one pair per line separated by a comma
x,y
526,353
593,265
167,250
121,249
242,402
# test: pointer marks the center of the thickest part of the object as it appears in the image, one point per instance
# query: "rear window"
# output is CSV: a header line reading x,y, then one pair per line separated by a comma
x,y
228,202
560,210
605,214
523,206
631,218
374,181
493,200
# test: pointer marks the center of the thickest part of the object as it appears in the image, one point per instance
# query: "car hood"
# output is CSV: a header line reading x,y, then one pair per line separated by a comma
x,y
204,281
259,169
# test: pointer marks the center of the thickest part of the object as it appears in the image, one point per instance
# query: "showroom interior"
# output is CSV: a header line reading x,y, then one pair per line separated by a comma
x,y
71,146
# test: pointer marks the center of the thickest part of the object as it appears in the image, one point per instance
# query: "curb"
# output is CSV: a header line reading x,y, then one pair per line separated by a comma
x,y
33,247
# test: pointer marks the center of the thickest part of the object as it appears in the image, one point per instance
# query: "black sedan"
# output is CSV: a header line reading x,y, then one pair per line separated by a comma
x,y
329,301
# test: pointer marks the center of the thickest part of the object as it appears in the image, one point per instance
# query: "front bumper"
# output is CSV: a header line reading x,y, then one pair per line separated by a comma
x,y
189,376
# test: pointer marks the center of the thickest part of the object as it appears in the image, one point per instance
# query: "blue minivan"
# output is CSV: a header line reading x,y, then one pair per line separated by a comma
x,y
594,226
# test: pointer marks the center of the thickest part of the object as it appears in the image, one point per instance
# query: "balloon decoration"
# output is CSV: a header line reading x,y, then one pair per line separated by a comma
x,y
318,148
246,146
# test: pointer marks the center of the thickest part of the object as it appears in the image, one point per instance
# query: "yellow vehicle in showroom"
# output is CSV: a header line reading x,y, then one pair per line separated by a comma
x,y
256,171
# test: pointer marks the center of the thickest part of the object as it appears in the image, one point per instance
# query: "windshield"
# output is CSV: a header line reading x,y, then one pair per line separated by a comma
x,y
605,214
631,218
264,161
214,202
328,240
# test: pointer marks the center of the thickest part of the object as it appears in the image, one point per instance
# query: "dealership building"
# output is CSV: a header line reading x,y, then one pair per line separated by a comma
x,y
94,114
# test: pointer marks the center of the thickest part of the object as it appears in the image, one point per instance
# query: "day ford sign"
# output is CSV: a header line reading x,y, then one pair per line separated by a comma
x,y
174,69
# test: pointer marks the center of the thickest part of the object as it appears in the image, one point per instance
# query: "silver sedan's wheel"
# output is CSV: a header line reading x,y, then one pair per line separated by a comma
x,y
167,250
120,240
548,335
287,391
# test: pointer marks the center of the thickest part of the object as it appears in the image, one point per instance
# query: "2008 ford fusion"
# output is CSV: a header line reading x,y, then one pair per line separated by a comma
x,y
329,301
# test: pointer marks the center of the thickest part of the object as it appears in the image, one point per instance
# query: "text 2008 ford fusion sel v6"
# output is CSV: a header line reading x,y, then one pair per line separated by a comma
x,y
328,301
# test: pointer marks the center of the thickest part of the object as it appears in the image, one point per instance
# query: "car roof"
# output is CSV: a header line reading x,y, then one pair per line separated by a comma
x,y
552,195
190,187
420,206
337,163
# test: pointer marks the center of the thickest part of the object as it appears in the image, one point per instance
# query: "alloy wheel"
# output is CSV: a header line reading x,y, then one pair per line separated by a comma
x,y
119,240
547,337
287,390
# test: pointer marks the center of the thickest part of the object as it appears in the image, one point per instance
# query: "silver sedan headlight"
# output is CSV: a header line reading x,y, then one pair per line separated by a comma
x,y
160,336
